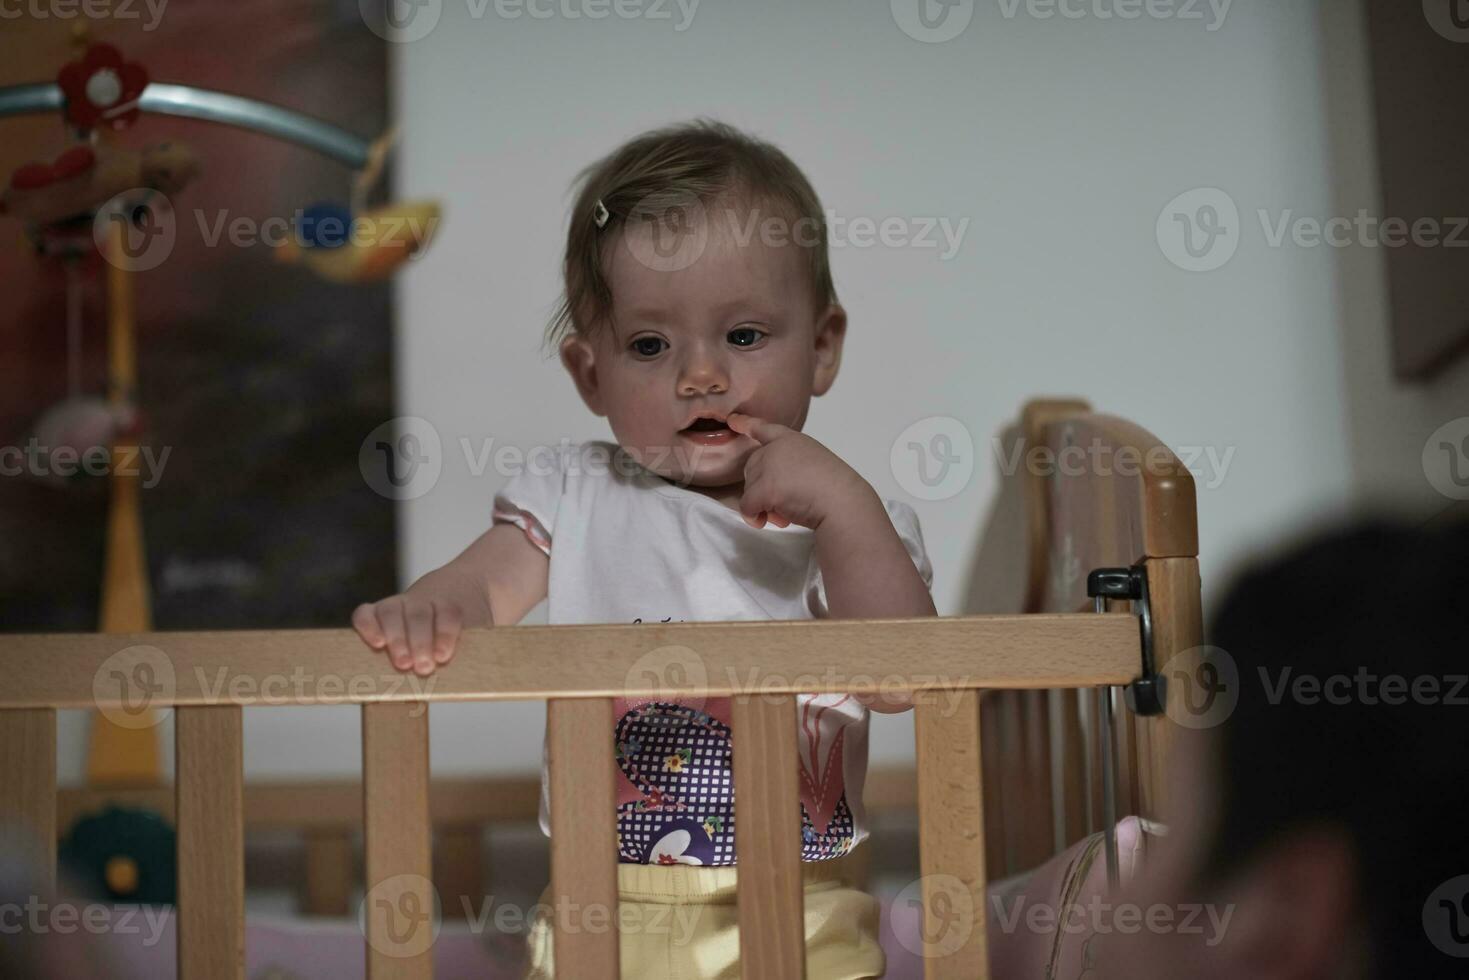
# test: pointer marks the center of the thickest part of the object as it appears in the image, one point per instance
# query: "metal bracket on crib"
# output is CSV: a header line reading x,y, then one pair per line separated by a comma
x,y
1146,695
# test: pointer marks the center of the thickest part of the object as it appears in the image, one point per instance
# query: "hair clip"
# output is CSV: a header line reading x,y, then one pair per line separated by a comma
x,y
600,214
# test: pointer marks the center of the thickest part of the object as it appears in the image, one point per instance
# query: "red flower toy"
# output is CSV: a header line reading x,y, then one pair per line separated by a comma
x,y
102,89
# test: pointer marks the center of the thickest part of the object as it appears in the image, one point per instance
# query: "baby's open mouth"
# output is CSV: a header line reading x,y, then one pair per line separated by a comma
x,y
706,425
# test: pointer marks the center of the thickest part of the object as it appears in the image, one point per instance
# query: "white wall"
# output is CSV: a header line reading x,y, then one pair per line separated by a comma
x,y
1388,422
1060,141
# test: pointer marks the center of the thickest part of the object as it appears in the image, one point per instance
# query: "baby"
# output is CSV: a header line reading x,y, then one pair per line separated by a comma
x,y
699,318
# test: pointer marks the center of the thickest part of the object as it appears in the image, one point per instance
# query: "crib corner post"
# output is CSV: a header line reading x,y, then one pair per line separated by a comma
x,y
1174,593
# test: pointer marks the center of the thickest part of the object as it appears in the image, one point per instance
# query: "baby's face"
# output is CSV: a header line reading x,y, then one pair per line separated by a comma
x,y
729,325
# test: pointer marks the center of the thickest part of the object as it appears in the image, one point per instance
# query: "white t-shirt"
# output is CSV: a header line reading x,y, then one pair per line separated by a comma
x,y
627,546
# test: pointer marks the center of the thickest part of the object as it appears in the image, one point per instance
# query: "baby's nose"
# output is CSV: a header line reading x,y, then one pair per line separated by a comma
x,y
703,387
704,376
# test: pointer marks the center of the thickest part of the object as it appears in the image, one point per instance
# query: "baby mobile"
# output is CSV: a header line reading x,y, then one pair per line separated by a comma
x,y
97,198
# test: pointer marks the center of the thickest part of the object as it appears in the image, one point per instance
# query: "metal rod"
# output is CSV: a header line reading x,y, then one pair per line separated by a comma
x,y
1109,789
188,102
1087,716
19,100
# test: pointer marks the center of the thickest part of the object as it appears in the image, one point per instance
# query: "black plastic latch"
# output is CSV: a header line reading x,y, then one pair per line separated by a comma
x,y
1112,583
1148,694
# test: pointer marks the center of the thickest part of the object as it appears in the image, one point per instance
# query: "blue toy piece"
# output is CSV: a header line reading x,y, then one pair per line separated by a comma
x,y
325,224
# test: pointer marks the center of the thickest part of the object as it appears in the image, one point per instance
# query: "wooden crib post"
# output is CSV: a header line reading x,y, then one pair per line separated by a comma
x,y
772,900
209,809
583,801
951,838
1178,626
400,916
28,790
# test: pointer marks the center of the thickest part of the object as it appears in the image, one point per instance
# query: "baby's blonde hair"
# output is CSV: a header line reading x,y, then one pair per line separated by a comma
x,y
702,160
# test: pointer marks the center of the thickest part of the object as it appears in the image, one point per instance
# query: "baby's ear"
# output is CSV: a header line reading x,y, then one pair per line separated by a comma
x,y
579,358
830,331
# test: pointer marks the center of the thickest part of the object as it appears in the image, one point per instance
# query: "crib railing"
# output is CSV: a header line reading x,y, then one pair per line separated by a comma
x,y
209,677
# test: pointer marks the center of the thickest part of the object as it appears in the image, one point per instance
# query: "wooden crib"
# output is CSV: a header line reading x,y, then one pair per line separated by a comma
x,y
1037,674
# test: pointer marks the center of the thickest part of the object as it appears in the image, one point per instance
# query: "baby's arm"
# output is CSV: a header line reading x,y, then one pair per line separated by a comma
x,y
865,565
497,579
869,574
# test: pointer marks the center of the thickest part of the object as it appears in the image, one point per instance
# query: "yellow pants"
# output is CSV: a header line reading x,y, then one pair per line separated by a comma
x,y
679,922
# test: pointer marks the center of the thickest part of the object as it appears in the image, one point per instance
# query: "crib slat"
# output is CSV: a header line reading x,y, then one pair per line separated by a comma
x,y
459,860
951,839
1095,758
993,762
1073,761
768,838
1038,841
28,790
329,867
209,763
583,805
400,914
1011,754
1126,742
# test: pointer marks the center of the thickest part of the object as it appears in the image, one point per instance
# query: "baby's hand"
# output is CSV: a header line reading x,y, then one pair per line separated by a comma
x,y
418,632
793,479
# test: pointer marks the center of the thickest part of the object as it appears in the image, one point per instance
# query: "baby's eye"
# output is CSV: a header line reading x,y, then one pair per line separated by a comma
x,y
641,346
745,336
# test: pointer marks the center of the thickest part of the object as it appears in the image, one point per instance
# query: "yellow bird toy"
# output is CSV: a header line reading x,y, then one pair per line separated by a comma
x,y
364,248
